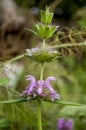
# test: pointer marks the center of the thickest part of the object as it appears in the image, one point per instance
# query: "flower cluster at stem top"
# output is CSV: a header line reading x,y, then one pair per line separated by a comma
x,y
40,88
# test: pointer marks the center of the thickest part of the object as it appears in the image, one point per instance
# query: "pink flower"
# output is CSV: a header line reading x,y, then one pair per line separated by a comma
x,y
40,88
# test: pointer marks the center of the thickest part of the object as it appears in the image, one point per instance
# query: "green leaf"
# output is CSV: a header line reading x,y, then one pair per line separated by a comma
x,y
25,99
62,102
14,100
52,29
30,30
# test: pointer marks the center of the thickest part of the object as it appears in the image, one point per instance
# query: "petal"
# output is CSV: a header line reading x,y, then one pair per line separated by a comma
x,y
50,78
30,77
47,84
61,123
64,123
24,92
57,26
54,96
35,49
40,84
69,124
32,84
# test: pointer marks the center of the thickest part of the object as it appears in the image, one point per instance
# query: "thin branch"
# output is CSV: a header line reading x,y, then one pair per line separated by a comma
x,y
69,45
14,59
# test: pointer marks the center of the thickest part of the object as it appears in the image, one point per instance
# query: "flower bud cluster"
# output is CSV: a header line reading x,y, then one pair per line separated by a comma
x,y
42,55
44,29
46,17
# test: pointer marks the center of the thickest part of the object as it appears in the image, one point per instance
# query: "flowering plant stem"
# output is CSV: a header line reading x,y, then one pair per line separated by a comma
x,y
43,44
42,71
39,101
39,116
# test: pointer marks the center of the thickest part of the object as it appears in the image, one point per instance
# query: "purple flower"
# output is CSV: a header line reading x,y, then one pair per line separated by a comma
x,y
40,84
31,86
65,124
52,93
40,88
47,84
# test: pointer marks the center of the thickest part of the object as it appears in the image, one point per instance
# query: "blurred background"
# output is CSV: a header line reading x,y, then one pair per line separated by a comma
x,y
70,70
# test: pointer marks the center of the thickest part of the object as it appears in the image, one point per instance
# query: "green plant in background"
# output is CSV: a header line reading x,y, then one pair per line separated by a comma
x,y
41,90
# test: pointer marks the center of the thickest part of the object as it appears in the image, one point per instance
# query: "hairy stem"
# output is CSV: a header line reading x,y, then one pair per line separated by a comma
x,y
39,116
39,102
43,46
42,71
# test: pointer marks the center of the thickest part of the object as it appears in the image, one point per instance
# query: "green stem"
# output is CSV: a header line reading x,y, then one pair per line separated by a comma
x,y
39,116
43,44
39,102
14,59
42,72
42,69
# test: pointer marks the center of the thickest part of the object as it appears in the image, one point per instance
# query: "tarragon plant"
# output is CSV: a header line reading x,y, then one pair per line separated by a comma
x,y
41,90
